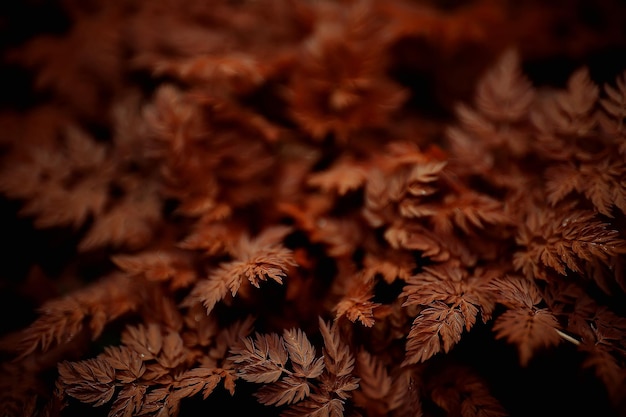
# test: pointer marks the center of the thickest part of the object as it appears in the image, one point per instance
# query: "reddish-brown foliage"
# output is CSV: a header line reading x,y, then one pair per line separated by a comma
x,y
313,208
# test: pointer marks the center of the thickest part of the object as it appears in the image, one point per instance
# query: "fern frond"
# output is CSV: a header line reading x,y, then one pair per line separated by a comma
x,y
262,359
302,354
91,381
344,176
565,239
191,382
128,401
128,364
288,390
375,382
147,341
356,303
437,328
530,330
504,94
337,356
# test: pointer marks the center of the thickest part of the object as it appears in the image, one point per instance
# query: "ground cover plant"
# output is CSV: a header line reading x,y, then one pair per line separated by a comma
x,y
313,208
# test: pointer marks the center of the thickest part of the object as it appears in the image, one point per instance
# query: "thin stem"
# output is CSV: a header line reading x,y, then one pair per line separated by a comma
x,y
568,337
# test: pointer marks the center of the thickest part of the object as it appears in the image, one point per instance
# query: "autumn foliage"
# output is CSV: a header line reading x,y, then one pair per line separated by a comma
x,y
314,208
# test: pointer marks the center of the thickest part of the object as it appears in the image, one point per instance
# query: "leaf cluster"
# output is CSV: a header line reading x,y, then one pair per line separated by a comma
x,y
247,199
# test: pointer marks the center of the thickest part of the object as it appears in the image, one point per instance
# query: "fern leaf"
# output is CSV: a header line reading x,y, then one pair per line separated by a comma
x,y
193,381
342,177
338,358
158,402
614,105
320,407
375,382
504,93
155,265
448,283
565,239
356,304
516,292
127,224
227,277
172,351
288,390
128,401
127,363
230,337
147,341
437,328
263,359
391,265
566,120
90,381
529,330
62,321
302,354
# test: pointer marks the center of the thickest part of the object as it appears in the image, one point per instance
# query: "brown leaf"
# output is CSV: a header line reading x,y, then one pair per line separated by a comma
x,y
530,330
195,380
147,341
129,401
128,364
173,351
301,351
289,390
90,381
437,328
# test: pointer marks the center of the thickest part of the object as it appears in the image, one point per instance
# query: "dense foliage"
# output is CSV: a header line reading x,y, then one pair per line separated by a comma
x,y
314,208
